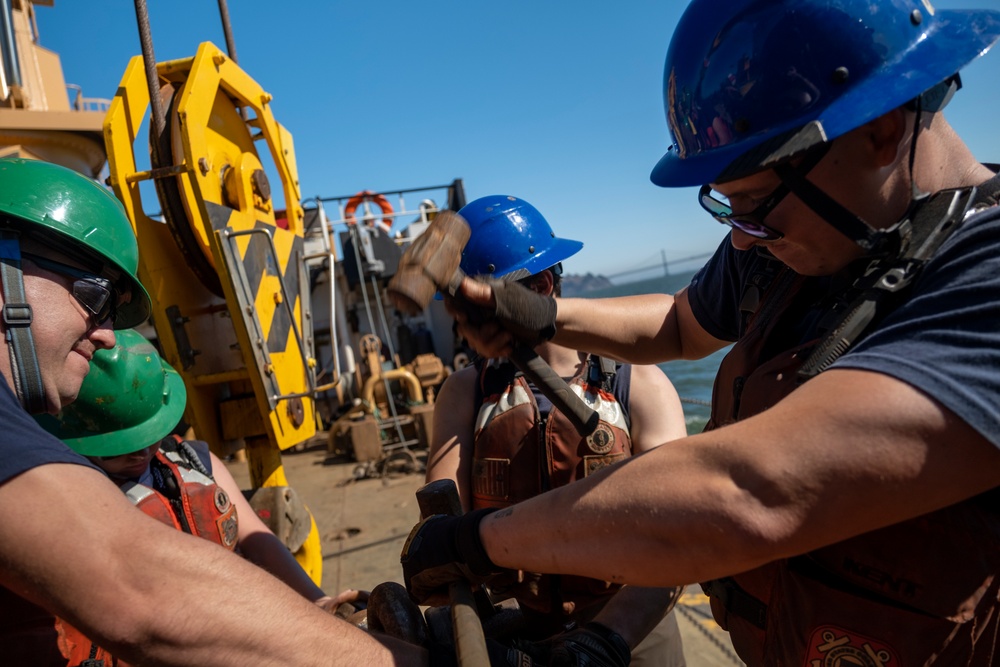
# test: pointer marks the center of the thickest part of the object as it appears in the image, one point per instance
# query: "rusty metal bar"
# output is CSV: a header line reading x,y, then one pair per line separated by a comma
x,y
157,120
227,30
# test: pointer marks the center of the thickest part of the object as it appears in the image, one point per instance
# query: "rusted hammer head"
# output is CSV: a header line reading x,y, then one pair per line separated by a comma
x,y
430,263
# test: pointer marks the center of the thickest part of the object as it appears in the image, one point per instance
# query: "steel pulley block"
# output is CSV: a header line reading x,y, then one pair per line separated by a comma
x,y
232,187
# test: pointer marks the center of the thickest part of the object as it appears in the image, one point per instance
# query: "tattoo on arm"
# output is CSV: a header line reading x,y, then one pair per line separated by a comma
x,y
504,513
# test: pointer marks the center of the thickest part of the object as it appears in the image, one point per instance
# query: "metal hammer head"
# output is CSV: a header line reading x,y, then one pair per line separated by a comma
x,y
430,263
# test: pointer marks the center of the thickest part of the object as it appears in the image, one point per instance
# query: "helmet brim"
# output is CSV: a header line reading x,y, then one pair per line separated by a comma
x,y
558,251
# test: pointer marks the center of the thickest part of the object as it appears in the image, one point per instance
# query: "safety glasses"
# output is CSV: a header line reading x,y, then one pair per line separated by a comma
x,y
751,222
96,294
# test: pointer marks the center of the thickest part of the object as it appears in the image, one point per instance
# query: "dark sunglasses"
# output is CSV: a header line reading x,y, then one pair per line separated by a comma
x,y
96,294
751,222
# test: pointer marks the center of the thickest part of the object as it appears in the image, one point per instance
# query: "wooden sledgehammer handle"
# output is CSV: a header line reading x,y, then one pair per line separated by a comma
x,y
441,497
582,416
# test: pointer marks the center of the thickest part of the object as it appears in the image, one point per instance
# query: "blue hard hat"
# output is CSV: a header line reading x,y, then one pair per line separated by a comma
x,y
510,239
749,83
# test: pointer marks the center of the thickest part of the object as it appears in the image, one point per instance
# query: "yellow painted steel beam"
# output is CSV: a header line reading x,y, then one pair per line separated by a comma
x,y
251,338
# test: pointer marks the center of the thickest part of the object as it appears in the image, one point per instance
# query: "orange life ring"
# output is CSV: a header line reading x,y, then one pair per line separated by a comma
x,y
379,200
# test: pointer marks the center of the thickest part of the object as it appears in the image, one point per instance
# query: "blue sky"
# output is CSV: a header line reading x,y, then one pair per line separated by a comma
x,y
556,102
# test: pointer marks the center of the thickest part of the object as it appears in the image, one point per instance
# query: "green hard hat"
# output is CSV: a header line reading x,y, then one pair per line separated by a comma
x,y
131,399
72,213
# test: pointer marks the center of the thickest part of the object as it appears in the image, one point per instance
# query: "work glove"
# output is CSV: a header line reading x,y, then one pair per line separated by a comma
x,y
442,649
442,549
391,612
529,316
500,655
592,645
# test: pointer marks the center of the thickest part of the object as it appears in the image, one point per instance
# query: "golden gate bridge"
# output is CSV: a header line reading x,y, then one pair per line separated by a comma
x,y
662,263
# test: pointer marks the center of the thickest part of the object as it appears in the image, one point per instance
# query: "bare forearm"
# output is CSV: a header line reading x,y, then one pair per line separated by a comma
x,y
768,487
263,622
259,545
266,551
450,455
256,620
154,595
637,329
633,523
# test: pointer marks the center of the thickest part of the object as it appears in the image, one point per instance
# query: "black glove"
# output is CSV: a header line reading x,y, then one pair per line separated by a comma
x,y
500,655
442,549
528,315
519,654
441,645
593,645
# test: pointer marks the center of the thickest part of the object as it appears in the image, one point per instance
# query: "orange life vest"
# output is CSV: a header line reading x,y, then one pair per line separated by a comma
x,y
190,501
199,506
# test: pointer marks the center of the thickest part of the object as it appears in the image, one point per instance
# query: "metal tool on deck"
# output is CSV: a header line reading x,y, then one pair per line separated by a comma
x,y
430,264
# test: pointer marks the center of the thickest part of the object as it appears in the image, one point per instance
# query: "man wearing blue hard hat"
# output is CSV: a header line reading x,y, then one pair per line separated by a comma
x,y
842,506
502,441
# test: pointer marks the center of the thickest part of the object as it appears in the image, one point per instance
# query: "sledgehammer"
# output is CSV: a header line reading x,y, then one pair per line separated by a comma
x,y
431,263
441,497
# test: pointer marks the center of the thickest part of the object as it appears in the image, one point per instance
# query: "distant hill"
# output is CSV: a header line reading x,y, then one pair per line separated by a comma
x,y
595,287
577,285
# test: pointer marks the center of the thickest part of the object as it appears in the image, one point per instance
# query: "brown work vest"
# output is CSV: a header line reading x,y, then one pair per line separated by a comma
x,y
516,457
917,593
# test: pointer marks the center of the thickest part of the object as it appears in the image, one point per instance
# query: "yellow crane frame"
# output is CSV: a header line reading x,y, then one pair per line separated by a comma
x,y
246,354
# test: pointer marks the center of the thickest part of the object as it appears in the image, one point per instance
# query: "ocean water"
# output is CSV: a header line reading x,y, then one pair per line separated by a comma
x,y
692,379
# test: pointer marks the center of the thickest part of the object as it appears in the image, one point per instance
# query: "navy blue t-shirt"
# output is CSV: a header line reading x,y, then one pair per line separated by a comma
x,y
24,444
716,289
944,340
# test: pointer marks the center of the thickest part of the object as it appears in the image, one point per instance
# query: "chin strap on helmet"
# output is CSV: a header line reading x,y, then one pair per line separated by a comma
x,y
17,317
870,240
845,222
